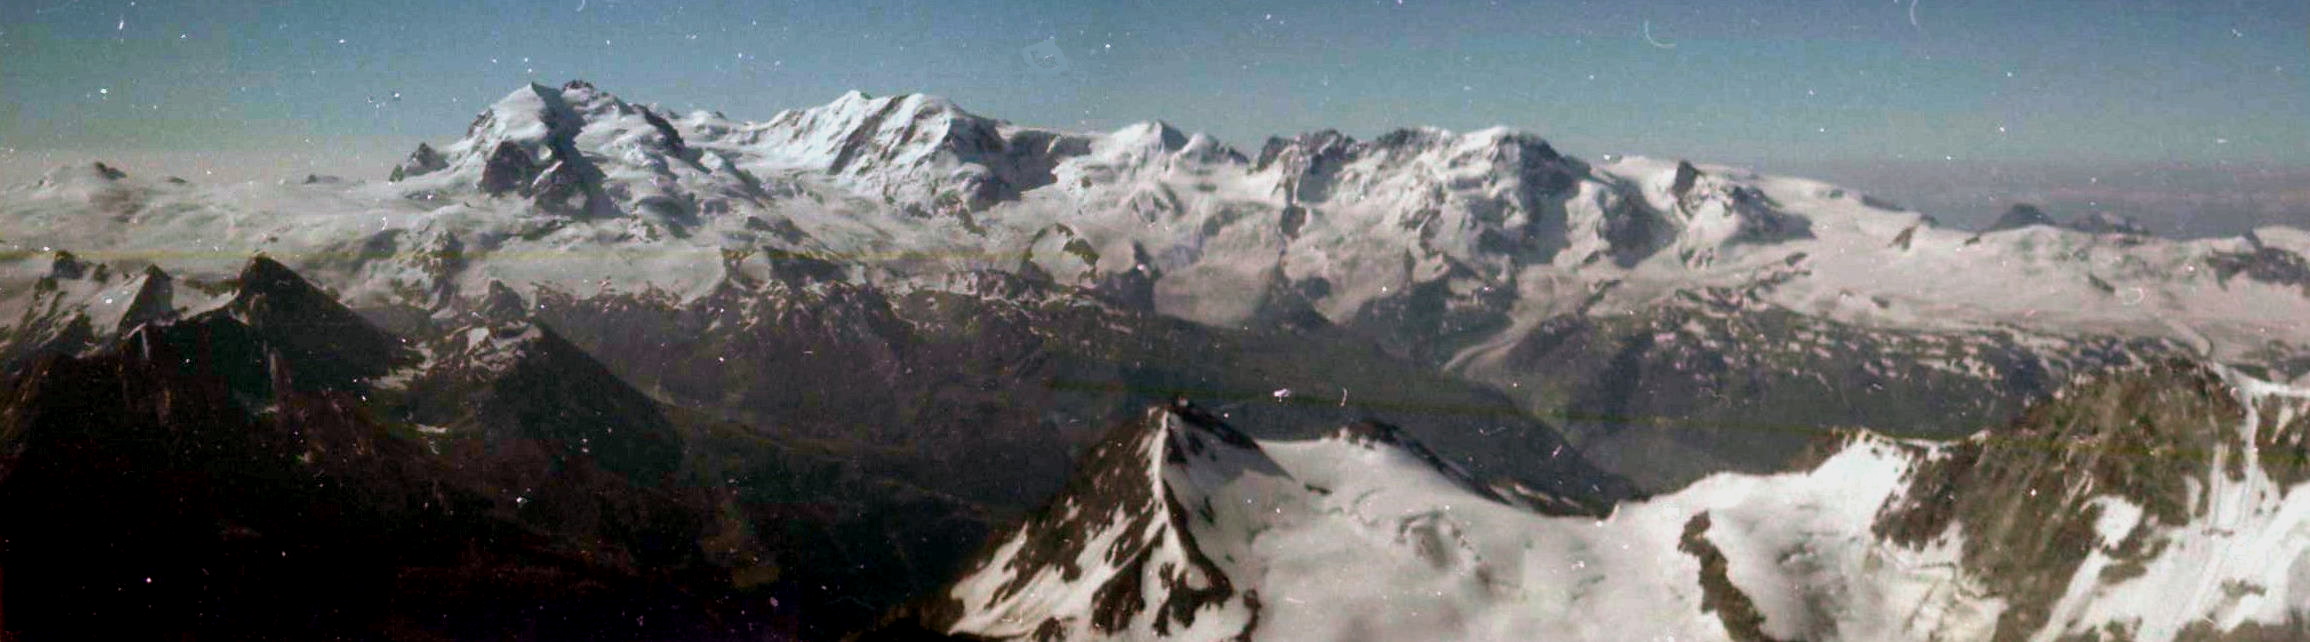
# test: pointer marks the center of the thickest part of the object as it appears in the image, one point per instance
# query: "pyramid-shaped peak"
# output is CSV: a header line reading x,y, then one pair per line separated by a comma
x,y
310,326
2019,216
153,299
267,291
502,304
264,273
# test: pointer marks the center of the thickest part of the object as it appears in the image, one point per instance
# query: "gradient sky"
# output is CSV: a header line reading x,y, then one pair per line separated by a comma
x,y
1833,88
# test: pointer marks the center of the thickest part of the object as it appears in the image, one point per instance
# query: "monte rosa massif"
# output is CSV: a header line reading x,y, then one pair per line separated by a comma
x,y
885,369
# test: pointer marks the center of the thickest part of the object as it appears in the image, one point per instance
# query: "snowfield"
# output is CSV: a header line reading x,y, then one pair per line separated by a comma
x,y
1365,536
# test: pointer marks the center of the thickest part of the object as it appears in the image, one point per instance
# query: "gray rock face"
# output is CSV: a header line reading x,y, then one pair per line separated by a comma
x,y
509,169
2265,264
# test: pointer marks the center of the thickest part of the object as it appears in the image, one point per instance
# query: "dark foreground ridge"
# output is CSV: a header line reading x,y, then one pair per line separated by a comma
x,y
241,474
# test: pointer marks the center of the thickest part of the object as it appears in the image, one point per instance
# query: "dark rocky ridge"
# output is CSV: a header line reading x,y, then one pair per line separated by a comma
x,y
2019,216
420,162
1719,595
240,474
184,476
2148,435
2266,264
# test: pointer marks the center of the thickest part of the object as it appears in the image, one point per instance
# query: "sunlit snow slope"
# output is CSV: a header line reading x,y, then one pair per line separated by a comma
x,y
2098,515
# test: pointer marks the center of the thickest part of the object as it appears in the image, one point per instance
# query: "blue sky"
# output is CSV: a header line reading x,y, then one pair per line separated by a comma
x,y
262,87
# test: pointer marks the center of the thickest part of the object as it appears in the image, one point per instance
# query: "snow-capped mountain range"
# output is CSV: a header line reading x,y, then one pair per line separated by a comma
x,y
907,188
1582,289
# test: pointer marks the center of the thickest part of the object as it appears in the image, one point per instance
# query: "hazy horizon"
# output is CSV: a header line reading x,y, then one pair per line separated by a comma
x,y
2173,199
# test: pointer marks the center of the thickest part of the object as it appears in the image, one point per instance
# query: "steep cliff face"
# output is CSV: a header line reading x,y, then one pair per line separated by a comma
x,y
2150,504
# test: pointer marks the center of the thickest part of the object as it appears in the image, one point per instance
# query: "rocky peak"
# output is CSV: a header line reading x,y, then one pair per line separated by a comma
x,y
1135,490
309,327
1686,175
65,265
502,304
527,137
153,299
2019,216
423,161
1313,151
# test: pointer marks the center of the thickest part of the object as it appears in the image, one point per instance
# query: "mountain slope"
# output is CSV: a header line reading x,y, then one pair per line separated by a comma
x,y
2157,503
987,393
222,477
267,465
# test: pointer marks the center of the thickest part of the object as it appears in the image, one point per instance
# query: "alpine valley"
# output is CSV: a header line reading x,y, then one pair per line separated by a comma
x,y
884,369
